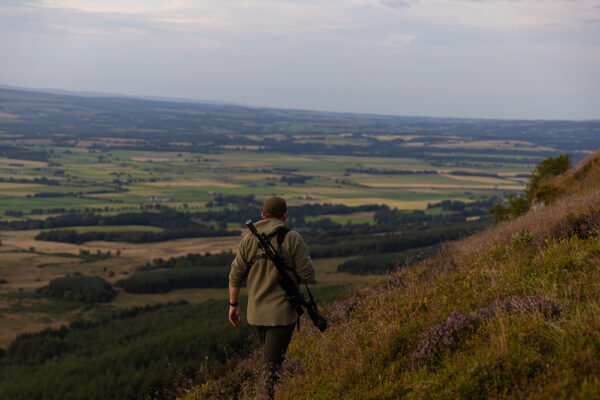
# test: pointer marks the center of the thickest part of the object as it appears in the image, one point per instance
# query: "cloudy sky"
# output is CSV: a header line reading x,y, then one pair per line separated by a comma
x,y
457,58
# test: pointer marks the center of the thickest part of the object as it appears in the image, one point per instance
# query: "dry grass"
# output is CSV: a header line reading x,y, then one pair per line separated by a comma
x,y
583,179
541,221
17,323
386,318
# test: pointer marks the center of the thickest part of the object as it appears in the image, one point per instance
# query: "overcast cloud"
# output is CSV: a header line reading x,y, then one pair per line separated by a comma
x,y
459,58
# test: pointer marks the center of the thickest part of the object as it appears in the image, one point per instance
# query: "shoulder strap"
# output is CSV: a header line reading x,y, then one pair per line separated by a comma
x,y
281,233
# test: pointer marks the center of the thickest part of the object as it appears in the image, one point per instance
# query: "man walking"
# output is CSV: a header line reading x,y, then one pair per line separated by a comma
x,y
268,309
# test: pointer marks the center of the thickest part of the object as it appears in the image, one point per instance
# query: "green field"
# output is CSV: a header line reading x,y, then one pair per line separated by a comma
x,y
119,181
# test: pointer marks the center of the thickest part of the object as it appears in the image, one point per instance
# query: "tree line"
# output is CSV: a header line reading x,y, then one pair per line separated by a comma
x,y
189,271
164,218
385,263
72,236
410,239
190,260
163,281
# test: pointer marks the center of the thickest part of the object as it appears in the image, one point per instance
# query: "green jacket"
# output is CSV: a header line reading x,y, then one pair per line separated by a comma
x,y
267,305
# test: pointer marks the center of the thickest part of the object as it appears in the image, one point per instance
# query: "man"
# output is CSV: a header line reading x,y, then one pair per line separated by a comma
x,y
268,310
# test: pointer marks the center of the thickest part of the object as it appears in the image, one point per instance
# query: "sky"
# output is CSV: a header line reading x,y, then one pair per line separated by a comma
x,y
526,59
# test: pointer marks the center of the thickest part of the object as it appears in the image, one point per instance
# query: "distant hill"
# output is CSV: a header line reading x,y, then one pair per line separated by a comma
x,y
202,127
512,312
9,94
101,94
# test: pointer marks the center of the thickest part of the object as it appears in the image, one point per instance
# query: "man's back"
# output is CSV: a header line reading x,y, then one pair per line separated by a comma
x,y
267,304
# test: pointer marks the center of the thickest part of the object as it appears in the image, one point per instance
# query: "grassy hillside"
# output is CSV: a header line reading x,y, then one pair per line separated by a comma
x,y
512,312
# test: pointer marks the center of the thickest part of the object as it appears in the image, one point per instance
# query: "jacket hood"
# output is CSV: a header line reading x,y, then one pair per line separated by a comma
x,y
269,226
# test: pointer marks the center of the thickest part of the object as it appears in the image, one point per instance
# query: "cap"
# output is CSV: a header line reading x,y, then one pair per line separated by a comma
x,y
274,206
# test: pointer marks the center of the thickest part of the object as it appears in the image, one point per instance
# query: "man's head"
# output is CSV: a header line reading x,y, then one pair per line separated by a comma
x,y
275,207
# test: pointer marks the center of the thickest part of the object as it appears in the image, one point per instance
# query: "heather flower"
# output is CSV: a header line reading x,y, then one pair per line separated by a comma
x,y
341,310
458,327
539,304
445,336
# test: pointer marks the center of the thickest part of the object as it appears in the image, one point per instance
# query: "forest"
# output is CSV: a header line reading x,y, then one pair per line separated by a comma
x,y
89,289
72,236
124,355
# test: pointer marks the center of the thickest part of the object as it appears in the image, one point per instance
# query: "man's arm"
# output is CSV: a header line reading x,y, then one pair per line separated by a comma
x,y
304,266
239,267
239,271
235,315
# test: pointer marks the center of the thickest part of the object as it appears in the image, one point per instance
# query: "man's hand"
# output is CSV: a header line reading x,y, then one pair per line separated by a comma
x,y
235,316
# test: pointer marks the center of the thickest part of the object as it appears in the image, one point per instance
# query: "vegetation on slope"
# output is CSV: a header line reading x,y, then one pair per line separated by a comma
x,y
512,312
535,191
131,354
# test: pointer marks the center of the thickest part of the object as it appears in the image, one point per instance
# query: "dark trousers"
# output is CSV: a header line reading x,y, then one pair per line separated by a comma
x,y
274,341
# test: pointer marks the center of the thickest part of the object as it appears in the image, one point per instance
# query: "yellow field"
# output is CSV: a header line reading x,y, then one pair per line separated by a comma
x,y
494,144
243,147
153,159
24,162
12,185
483,179
400,204
23,240
102,140
7,115
254,177
387,138
438,185
320,190
265,137
193,184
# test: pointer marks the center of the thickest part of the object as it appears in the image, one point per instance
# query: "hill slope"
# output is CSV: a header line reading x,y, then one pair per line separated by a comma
x,y
513,312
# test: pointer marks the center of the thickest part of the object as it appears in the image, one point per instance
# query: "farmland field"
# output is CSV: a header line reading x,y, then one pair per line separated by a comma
x,y
187,182
121,194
